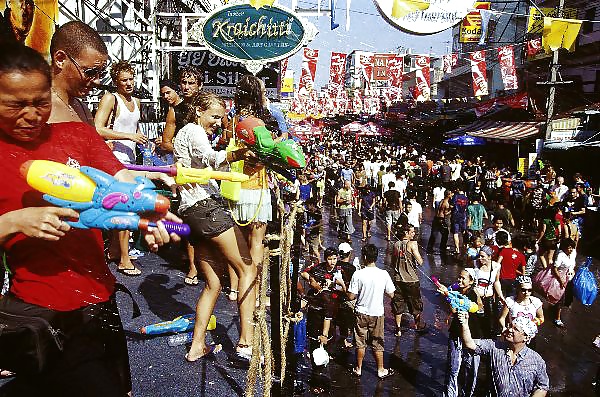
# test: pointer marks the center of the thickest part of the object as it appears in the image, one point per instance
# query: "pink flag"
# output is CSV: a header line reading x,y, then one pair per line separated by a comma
x,y
506,58
309,68
479,73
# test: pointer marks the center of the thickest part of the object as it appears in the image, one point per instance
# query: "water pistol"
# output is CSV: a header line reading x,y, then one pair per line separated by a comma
x,y
183,175
102,201
282,157
178,324
457,301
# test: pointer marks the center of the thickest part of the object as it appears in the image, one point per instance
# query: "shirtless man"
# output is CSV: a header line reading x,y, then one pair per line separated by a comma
x,y
440,223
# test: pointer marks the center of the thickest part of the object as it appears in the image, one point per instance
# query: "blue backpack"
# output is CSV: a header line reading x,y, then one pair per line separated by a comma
x,y
584,284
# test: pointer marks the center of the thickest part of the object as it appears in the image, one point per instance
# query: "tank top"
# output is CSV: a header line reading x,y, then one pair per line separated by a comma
x,y
404,263
125,121
485,281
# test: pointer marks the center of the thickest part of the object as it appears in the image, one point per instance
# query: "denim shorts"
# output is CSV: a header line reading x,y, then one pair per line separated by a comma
x,y
207,219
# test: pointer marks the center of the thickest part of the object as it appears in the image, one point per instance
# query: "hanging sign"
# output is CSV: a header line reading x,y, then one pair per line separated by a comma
x,y
440,15
470,28
254,37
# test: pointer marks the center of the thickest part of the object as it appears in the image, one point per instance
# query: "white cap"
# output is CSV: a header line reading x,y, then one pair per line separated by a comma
x,y
344,248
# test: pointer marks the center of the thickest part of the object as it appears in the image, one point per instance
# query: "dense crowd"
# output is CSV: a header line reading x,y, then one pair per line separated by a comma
x,y
509,233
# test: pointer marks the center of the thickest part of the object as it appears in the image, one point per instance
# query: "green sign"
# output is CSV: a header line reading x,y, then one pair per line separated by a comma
x,y
252,36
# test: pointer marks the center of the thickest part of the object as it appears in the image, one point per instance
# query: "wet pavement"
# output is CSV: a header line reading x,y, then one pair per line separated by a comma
x,y
419,360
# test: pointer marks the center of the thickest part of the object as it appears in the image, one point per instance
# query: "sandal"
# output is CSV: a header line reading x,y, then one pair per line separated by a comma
x,y
389,373
354,372
233,295
317,390
129,271
209,352
191,281
4,373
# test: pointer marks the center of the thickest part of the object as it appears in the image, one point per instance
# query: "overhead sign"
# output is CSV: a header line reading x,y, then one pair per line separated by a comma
x,y
221,75
470,28
441,15
254,37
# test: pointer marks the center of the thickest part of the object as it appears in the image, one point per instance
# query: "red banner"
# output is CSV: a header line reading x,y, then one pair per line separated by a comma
x,y
366,63
449,61
380,66
516,101
395,67
534,47
309,68
479,73
506,58
337,70
422,91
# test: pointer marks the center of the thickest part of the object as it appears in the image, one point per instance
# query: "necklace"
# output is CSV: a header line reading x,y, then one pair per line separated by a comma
x,y
69,107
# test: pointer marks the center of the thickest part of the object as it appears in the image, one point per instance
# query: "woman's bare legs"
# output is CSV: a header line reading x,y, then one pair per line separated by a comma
x,y
206,302
254,234
192,272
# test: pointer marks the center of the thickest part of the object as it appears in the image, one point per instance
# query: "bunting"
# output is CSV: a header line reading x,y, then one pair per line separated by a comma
x,y
479,73
560,33
506,59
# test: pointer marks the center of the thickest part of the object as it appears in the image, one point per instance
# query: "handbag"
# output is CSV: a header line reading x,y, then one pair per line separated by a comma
x,y
584,284
548,286
27,343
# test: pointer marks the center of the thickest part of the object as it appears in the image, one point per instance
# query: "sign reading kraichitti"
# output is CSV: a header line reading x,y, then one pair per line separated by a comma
x,y
254,37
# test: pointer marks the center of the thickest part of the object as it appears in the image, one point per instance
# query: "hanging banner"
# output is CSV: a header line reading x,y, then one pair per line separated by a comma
x,y
448,62
380,66
506,59
422,78
440,15
366,65
30,22
470,27
283,68
287,85
515,101
337,70
395,72
479,73
534,47
309,68
535,23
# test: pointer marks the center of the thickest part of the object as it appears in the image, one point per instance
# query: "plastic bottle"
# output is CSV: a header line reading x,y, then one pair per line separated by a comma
x,y
147,154
180,339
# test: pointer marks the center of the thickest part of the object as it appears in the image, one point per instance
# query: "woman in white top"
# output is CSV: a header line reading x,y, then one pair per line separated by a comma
x,y
523,304
216,242
564,271
117,121
487,284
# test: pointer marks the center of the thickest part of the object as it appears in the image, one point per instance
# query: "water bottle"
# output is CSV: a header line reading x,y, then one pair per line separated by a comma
x,y
147,154
180,339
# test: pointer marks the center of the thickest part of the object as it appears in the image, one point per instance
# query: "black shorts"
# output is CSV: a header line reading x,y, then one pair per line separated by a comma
x,y
207,219
407,298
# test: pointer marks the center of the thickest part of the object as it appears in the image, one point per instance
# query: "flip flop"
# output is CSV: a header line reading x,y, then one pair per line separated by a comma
x,y
354,373
131,272
209,352
191,281
389,373
4,373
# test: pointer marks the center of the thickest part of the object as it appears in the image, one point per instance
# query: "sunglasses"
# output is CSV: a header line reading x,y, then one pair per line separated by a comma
x,y
89,73
526,290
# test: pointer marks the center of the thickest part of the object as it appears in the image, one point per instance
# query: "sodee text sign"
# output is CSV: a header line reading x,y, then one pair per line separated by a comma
x,y
252,36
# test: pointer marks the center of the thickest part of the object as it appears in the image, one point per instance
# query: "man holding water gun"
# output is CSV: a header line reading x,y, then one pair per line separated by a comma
x,y
58,274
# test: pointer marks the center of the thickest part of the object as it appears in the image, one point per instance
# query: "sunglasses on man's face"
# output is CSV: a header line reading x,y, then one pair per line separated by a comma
x,y
89,73
526,289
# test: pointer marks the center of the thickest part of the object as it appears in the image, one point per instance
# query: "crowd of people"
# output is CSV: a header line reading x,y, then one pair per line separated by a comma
x,y
505,228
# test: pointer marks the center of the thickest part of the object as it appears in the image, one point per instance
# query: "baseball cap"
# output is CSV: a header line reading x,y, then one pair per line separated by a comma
x,y
344,248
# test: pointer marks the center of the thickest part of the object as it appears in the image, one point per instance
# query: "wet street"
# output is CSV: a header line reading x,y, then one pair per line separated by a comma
x,y
419,360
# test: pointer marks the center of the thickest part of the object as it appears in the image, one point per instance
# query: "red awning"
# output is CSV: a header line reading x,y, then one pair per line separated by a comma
x,y
499,131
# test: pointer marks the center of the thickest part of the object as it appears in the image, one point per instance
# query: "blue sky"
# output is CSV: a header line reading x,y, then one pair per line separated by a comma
x,y
369,31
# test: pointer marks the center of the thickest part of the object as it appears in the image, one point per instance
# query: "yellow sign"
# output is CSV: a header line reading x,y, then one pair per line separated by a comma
x,y
522,165
287,85
470,27
536,20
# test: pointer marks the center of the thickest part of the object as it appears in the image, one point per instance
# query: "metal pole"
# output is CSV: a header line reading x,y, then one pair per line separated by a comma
x,y
553,76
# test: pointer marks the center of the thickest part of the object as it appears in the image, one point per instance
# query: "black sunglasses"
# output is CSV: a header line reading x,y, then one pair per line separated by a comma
x,y
526,289
88,73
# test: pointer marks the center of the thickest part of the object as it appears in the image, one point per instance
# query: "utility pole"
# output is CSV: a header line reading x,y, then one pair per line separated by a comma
x,y
553,76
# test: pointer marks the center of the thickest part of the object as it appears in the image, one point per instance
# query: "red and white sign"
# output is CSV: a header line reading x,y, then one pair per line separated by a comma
x,y
366,64
534,47
422,91
516,101
479,73
506,58
309,68
337,69
449,61
380,66
395,67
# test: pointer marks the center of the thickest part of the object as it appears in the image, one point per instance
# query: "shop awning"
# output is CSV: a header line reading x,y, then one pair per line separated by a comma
x,y
499,131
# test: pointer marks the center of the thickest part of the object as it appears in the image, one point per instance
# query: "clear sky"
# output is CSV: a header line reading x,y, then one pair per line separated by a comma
x,y
369,31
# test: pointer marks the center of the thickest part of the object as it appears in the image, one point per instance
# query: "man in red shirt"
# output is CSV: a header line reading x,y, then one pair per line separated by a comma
x,y
512,263
59,273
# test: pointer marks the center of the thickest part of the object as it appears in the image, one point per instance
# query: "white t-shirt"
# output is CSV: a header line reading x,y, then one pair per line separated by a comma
x,y
413,215
438,193
566,262
369,284
456,169
516,309
387,178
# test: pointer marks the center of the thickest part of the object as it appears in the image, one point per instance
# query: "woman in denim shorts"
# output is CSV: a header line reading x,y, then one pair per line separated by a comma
x,y
216,242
